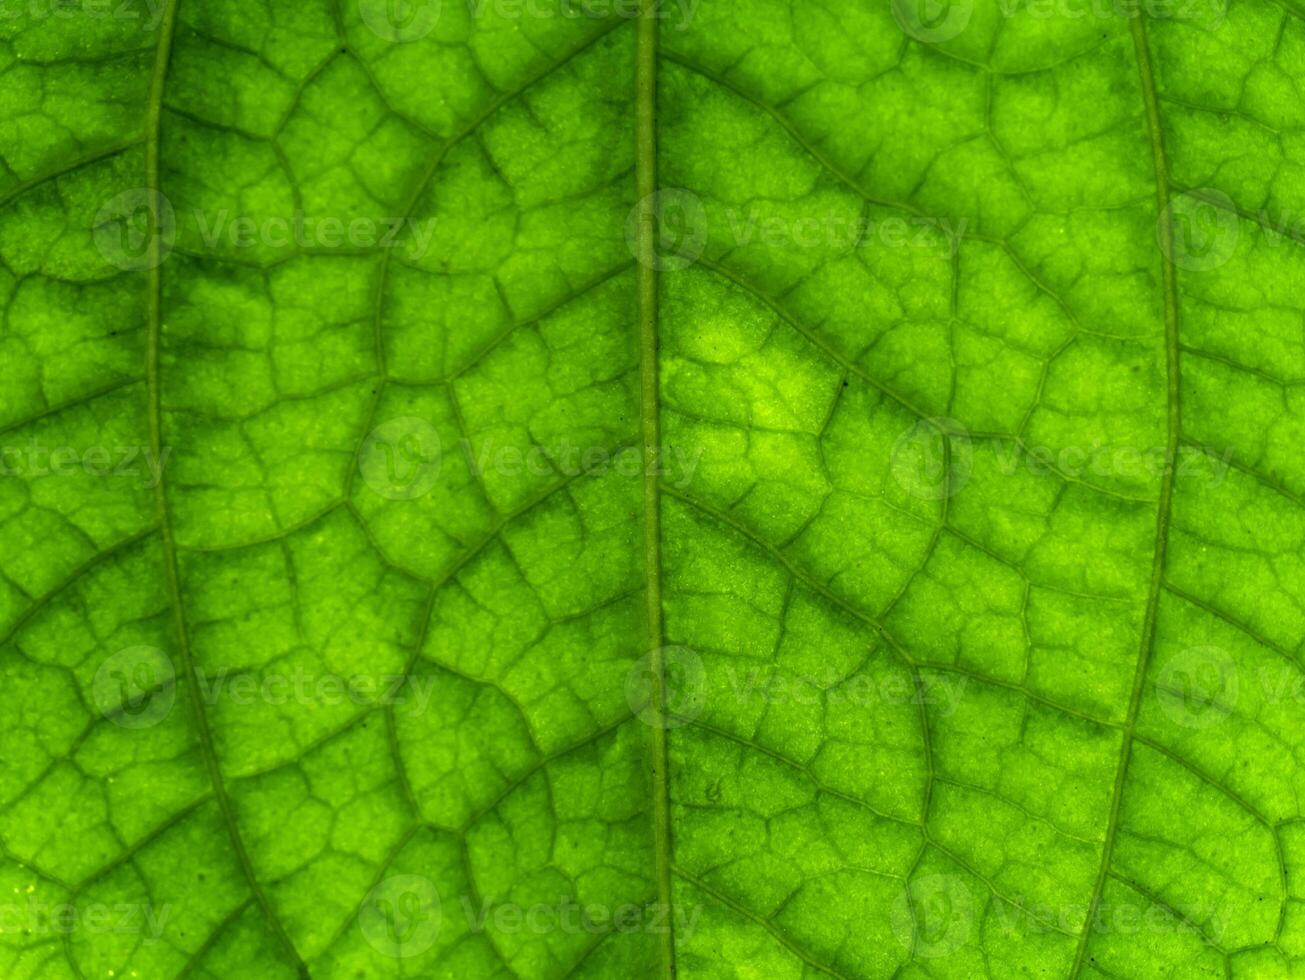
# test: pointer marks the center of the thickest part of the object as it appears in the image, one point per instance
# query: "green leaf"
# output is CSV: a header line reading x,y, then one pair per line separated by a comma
x,y
717,488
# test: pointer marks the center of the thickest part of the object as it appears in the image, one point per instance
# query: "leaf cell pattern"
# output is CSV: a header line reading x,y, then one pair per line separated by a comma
x,y
1037,715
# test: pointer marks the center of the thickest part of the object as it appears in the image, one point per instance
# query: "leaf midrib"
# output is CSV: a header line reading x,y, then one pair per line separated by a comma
x,y
154,312
1142,52
646,177
646,186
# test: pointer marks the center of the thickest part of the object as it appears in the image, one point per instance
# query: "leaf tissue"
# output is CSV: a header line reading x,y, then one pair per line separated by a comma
x,y
649,488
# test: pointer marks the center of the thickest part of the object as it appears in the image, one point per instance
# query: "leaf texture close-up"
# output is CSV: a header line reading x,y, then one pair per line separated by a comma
x,y
652,488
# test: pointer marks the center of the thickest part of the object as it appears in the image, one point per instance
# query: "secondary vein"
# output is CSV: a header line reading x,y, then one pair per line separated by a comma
x,y
1165,226
646,189
154,309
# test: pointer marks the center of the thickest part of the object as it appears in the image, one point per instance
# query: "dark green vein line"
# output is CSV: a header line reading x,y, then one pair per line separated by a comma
x,y
516,326
775,933
805,578
77,402
25,864
153,183
377,877
645,109
131,853
435,587
42,601
413,199
1195,925
195,958
805,770
1291,659
1261,217
86,160
1147,77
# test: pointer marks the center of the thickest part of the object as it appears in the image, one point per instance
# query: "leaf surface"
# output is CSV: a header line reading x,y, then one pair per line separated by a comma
x,y
752,490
